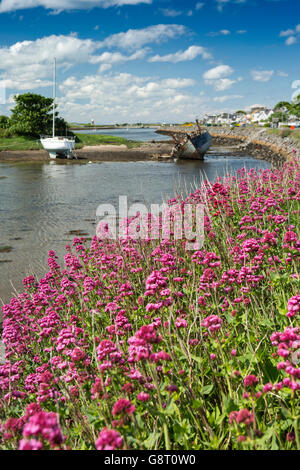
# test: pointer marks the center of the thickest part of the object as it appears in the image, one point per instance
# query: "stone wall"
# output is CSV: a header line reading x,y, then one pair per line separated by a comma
x,y
257,142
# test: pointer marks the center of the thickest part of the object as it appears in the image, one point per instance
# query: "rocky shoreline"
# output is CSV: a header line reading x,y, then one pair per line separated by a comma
x,y
257,142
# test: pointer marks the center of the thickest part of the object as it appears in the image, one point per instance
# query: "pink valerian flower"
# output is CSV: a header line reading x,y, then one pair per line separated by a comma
x,y
181,323
267,388
143,396
77,355
293,306
29,283
212,323
123,406
147,334
250,245
159,356
105,349
44,425
290,237
155,281
250,381
241,417
30,444
109,439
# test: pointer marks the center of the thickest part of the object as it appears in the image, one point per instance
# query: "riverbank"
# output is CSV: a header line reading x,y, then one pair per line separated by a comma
x,y
21,143
264,144
100,153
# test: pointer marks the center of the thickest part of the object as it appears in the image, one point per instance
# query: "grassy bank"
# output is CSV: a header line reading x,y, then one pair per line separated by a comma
x,y
19,143
26,143
149,344
293,134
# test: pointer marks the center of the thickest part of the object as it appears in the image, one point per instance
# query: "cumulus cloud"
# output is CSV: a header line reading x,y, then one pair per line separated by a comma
x,y
123,95
217,77
189,54
61,5
292,35
170,12
108,59
218,72
262,75
137,38
26,64
222,32
222,99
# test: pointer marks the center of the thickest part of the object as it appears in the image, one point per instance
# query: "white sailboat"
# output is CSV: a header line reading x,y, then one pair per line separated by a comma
x,y
55,145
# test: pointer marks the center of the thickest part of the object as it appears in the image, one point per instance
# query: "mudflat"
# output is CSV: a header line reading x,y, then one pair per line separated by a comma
x,y
103,153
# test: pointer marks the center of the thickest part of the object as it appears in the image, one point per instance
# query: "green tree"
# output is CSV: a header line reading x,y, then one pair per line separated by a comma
x,y
295,106
32,116
282,106
240,111
4,122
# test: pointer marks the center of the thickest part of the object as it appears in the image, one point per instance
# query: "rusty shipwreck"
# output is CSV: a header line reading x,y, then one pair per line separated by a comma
x,y
190,143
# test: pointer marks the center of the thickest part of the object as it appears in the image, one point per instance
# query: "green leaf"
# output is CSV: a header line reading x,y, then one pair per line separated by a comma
x,y
207,389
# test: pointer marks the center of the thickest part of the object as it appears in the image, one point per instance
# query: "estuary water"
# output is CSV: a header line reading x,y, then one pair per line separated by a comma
x,y
139,134
43,205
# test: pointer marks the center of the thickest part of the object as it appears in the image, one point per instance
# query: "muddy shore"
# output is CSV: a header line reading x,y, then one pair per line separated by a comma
x,y
100,153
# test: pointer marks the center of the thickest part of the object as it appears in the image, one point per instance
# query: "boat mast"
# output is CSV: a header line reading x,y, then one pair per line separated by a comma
x,y
54,94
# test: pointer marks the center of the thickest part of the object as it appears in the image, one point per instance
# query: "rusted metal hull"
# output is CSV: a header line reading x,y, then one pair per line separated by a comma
x,y
190,144
193,148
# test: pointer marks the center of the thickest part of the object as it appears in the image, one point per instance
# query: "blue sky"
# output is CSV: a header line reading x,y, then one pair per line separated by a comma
x,y
150,60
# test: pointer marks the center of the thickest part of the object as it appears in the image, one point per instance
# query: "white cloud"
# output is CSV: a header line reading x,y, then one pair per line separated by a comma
x,y
281,73
27,64
189,54
222,32
221,84
262,75
222,3
217,77
291,35
199,5
60,5
218,72
125,95
291,40
222,99
170,12
288,32
241,31
107,59
137,38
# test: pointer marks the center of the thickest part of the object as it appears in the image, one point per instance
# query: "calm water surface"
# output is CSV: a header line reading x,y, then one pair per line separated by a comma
x,y
142,135
40,203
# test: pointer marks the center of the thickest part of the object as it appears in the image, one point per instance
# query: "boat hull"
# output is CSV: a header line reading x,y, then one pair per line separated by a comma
x,y
194,148
58,146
